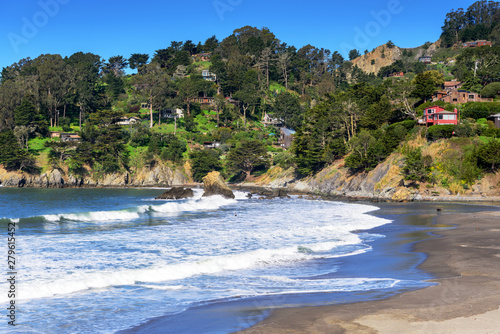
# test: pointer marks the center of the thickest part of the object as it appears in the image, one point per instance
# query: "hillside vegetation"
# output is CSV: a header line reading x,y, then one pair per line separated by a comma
x,y
219,105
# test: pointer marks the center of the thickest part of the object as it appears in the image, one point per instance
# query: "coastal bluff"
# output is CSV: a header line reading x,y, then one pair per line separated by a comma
x,y
160,175
383,183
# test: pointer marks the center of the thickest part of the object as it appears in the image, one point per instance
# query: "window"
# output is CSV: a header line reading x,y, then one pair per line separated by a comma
x,y
440,116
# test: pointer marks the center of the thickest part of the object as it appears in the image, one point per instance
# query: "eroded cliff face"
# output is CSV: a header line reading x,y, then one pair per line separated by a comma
x,y
160,175
336,180
385,182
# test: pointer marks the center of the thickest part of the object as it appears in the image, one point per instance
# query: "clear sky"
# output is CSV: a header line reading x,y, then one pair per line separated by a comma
x,y
29,28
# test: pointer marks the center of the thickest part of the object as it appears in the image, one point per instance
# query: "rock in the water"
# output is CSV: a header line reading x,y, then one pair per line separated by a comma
x,y
272,193
281,193
177,193
214,185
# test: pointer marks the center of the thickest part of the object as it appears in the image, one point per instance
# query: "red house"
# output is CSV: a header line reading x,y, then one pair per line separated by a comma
x,y
476,44
436,115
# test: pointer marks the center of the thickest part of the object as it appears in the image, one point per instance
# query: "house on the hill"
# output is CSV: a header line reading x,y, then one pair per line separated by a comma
x,y
70,136
436,115
286,137
476,44
425,60
128,120
172,113
496,119
397,75
204,101
211,144
204,56
65,136
452,85
269,120
459,96
207,75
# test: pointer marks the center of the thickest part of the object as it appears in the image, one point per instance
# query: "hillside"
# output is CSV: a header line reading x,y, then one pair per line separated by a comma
x,y
384,55
380,57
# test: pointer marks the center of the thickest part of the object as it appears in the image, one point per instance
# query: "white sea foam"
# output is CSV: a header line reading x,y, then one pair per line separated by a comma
x,y
81,281
170,207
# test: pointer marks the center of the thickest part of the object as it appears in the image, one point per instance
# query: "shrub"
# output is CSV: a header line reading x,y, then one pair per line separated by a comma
x,y
416,166
284,159
436,132
464,130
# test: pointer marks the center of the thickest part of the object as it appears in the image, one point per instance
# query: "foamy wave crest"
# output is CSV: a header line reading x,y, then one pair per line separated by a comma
x,y
204,266
128,214
170,207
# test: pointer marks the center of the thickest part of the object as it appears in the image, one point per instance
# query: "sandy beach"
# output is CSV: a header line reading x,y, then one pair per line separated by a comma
x,y
465,299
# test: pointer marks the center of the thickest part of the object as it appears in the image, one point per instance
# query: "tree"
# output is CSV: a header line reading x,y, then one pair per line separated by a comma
x,y
203,162
491,90
115,65
248,95
107,141
12,157
362,157
490,153
85,70
416,166
54,76
137,60
190,87
247,156
189,47
284,64
427,83
154,82
287,108
400,91
210,44
353,54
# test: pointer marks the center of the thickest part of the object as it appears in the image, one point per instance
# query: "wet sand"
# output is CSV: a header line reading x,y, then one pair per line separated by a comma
x,y
466,298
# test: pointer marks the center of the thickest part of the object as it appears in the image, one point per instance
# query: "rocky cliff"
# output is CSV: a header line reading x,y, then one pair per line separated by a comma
x,y
385,182
160,175
383,56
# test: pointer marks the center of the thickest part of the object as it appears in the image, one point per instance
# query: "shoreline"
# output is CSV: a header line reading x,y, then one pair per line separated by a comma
x,y
466,298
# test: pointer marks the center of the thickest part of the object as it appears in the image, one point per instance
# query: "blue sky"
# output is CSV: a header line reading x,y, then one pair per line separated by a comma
x,y
29,28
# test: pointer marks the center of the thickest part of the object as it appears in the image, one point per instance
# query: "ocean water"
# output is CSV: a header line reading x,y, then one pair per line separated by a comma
x,y
116,260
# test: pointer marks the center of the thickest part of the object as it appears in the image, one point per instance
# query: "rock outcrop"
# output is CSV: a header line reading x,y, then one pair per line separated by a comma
x,y
214,185
272,193
161,175
177,193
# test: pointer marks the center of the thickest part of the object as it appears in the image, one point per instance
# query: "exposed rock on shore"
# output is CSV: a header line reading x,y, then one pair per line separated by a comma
x,y
272,193
214,185
160,175
177,193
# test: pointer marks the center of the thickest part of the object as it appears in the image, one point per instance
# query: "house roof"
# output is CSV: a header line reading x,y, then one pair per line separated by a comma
x,y
452,83
287,131
496,115
435,106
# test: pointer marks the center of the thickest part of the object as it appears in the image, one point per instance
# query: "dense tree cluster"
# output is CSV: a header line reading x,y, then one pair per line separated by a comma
x,y
479,21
